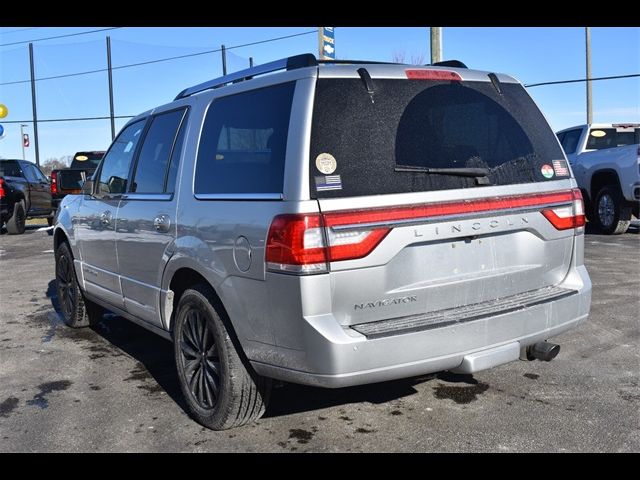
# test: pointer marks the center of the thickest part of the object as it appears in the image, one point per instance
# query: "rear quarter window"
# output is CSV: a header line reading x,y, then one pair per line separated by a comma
x,y
243,142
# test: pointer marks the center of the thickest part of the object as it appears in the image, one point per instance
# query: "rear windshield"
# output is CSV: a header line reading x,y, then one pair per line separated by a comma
x,y
86,160
601,138
70,179
363,144
10,168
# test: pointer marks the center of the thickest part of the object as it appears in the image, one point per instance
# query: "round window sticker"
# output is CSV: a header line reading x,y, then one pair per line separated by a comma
x,y
82,158
326,163
547,171
598,133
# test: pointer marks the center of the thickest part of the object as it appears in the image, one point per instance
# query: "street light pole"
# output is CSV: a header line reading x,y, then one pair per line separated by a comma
x,y
587,38
22,138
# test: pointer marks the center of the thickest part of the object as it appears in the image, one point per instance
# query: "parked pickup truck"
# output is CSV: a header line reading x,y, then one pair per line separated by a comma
x,y
24,193
605,159
70,180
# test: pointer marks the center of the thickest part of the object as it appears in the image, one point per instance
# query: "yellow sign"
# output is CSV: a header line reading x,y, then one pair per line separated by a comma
x,y
4,111
598,133
82,158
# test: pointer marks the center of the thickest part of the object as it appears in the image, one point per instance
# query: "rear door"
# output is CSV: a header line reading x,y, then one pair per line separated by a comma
x,y
408,240
40,192
146,223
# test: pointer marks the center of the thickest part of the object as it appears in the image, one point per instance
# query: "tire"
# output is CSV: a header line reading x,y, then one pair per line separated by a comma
x,y
610,213
77,311
50,221
220,388
17,223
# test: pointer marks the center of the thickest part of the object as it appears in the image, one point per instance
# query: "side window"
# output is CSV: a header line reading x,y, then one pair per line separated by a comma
x,y
243,142
570,140
175,157
39,174
115,165
561,137
29,173
156,152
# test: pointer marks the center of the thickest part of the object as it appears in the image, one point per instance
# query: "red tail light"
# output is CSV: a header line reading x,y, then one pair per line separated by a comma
x,y
432,75
2,194
54,183
567,216
306,243
299,243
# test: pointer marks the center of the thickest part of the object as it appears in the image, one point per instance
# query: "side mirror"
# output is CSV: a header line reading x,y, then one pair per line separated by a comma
x,y
87,187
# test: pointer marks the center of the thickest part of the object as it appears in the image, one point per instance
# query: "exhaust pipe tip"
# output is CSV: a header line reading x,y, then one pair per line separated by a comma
x,y
545,351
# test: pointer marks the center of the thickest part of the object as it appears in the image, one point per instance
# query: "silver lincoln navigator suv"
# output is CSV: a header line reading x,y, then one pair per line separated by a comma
x,y
330,224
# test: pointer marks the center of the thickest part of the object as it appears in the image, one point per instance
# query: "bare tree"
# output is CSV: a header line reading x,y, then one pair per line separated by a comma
x,y
53,164
400,56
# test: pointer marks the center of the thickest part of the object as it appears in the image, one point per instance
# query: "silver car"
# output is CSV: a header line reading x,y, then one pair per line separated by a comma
x,y
330,224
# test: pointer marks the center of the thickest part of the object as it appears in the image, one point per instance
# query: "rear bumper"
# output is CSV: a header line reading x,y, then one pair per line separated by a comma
x,y
336,356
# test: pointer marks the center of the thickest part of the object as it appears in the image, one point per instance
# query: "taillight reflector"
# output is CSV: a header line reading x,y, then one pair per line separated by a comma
x,y
54,183
432,75
2,194
567,216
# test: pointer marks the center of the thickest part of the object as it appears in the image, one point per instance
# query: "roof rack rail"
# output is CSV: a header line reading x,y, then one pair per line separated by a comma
x,y
289,63
346,62
449,63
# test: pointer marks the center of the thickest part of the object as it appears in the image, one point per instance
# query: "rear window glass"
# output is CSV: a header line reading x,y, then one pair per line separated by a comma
x,y
365,145
243,142
601,138
86,160
70,179
10,168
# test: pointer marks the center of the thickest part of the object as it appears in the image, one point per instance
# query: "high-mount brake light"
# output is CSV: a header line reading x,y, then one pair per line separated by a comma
x,y
433,75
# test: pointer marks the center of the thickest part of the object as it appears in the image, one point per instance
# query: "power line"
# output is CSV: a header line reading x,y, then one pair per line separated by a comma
x,y
58,36
583,80
69,119
166,59
18,30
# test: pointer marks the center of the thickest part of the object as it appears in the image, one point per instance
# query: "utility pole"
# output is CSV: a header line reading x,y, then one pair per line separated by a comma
x,y
223,52
587,38
33,104
110,75
22,138
436,44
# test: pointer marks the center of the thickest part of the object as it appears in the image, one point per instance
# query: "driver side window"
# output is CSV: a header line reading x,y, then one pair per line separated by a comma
x,y
115,165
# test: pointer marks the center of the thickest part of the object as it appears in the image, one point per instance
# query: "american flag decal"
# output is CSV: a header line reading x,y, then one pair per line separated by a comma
x,y
328,182
560,167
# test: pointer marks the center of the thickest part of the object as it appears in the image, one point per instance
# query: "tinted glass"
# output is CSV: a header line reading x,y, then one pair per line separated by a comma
x,y
155,152
175,157
570,140
9,168
430,124
601,138
86,160
30,173
243,142
41,176
115,167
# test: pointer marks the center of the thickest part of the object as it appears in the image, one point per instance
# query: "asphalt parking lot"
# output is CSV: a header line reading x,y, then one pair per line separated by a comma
x,y
114,388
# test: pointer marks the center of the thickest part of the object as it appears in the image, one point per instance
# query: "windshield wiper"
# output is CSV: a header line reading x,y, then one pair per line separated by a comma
x,y
458,172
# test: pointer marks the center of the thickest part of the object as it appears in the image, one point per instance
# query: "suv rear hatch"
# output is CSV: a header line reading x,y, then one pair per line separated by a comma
x,y
492,230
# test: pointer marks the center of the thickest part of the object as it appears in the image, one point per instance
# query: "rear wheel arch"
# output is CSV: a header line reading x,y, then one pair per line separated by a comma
x,y
185,278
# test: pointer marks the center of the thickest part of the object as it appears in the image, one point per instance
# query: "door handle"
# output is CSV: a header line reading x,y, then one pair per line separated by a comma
x,y
162,223
105,218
